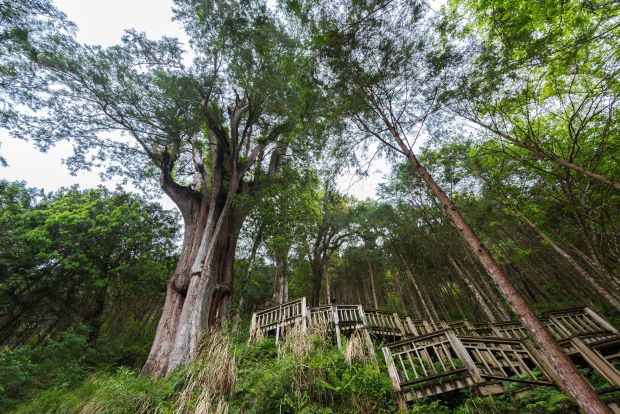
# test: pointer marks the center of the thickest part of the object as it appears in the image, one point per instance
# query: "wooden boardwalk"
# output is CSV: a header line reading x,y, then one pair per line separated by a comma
x,y
427,359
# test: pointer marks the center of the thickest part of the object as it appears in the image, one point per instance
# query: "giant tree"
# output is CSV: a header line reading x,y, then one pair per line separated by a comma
x,y
209,133
387,67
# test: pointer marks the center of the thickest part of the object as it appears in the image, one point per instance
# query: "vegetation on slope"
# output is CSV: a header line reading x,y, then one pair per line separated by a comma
x,y
307,375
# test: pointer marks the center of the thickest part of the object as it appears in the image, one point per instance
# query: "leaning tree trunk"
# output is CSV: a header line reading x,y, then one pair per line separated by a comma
x,y
375,302
474,290
581,272
575,384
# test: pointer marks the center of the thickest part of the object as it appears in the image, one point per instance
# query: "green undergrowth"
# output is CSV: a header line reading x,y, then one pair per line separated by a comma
x,y
306,375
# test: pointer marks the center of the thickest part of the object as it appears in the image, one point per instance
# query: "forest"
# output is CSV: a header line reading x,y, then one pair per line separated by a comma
x,y
483,277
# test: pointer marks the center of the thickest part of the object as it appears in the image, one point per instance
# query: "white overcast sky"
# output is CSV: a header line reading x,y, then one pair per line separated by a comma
x,y
103,23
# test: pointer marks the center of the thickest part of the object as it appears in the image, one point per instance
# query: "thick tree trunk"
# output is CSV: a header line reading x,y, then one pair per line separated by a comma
x,y
580,271
195,301
328,288
576,385
317,281
158,361
280,290
95,318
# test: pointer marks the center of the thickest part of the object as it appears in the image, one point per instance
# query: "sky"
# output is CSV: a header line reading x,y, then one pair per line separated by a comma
x,y
103,23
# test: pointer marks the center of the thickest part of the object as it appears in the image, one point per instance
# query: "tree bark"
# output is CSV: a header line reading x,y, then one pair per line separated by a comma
x,y
576,385
375,303
328,287
197,300
317,281
280,291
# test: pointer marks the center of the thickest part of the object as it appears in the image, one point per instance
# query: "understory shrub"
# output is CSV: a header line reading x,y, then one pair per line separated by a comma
x,y
305,374
308,379
123,392
61,360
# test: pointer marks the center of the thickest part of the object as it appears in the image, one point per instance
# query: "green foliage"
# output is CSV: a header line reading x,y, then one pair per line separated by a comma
x,y
79,251
60,361
124,392
59,378
320,382
435,407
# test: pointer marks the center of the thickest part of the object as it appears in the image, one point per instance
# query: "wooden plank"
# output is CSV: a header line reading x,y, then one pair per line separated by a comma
x,y
602,321
597,361
337,326
464,356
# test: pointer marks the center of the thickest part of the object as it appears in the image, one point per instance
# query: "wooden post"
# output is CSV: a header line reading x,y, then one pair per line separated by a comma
x,y
399,323
252,328
598,318
304,315
393,372
464,356
427,325
336,326
597,361
360,309
412,327
468,325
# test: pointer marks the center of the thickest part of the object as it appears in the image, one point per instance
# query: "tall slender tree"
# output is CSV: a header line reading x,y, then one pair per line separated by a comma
x,y
378,58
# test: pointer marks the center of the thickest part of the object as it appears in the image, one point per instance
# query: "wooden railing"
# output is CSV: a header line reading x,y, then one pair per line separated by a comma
x,y
434,358
275,319
580,321
443,361
461,327
511,329
384,323
504,359
413,363
416,327
563,324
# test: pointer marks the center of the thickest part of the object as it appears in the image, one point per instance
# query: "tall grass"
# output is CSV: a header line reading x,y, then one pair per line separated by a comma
x,y
210,379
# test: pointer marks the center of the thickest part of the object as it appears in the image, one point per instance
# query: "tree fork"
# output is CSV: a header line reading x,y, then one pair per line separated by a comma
x,y
574,383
